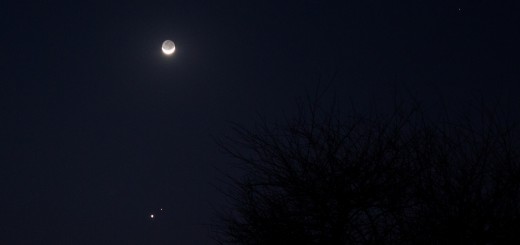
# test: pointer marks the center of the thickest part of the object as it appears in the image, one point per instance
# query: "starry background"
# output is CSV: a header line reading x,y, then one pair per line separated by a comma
x,y
99,129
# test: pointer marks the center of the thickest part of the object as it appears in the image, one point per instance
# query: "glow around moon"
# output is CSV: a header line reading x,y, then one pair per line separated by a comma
x,y
168,47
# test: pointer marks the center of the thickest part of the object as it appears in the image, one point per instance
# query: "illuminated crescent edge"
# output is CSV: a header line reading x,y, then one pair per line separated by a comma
x,y
170,51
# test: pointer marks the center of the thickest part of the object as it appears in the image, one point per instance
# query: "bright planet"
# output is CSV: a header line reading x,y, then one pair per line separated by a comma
x,y
168,47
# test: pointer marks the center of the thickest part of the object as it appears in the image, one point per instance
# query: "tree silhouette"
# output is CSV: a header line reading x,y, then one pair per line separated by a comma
x,y
327,178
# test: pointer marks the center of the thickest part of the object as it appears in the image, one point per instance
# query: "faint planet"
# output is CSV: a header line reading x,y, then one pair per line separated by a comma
x,y
168,47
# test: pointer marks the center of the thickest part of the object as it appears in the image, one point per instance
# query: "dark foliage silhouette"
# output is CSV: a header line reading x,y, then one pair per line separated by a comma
x,y
328,178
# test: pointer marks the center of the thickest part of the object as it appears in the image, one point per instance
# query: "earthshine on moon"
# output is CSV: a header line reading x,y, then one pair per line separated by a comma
x,y
168,47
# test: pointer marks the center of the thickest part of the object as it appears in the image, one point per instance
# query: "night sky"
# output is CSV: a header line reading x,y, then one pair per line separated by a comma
x,y
99,129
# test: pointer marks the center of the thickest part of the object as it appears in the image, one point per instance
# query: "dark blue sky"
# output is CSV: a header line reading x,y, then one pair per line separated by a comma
x,y
99,129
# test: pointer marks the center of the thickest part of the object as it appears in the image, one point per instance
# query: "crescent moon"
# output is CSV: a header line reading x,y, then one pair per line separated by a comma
x,y
168,47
